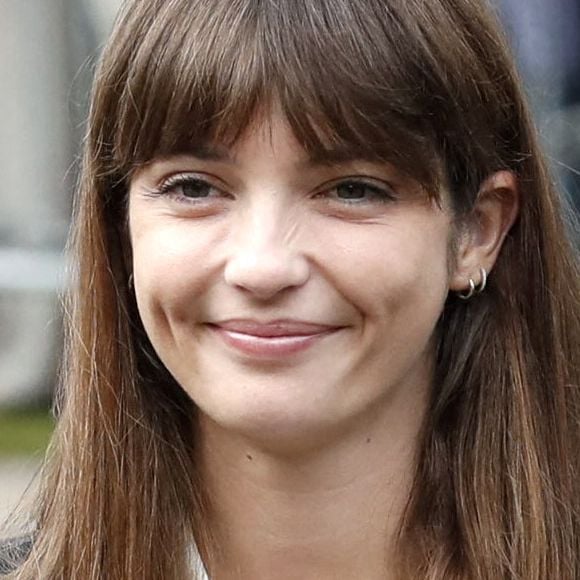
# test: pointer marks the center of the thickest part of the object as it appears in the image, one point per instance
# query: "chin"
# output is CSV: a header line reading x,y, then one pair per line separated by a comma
x,y
274,428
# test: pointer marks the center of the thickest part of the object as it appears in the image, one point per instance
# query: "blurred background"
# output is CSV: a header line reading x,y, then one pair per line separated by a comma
x,y
48,49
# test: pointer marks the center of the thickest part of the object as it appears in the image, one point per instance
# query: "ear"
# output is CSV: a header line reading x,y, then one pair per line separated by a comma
x,y
482,236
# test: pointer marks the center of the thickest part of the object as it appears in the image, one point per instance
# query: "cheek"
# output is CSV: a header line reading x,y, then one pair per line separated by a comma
x,y
395,269
171,273
399,283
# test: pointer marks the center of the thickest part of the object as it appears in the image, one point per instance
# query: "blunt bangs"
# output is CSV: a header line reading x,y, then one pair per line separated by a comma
x,y
355,78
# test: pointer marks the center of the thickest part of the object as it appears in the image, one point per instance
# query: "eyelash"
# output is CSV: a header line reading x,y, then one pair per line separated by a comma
x,y
379,193
173,183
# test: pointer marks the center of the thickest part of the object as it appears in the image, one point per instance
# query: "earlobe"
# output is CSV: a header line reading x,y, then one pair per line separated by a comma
x,y
494,214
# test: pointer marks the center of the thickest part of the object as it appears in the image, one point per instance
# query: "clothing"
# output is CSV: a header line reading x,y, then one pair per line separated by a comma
x,y
13,553
197,565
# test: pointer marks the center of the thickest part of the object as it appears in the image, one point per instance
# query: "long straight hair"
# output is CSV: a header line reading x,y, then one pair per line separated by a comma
x,y
428,85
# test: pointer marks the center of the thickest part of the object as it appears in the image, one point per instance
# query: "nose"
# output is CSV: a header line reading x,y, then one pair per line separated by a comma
x,y
265,258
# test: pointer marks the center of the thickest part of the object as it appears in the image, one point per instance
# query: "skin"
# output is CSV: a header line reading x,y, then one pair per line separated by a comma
x,y
308,457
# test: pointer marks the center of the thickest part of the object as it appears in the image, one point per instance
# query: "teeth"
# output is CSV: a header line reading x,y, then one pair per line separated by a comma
x,y
280,339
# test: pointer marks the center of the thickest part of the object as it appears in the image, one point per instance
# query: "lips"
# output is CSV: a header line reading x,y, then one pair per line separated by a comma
x,y
274,328
274,338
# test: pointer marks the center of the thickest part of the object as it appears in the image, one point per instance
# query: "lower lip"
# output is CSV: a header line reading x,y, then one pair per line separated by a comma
x,y
269,347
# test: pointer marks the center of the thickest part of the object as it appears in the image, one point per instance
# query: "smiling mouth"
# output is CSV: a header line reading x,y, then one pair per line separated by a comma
x,y
272,340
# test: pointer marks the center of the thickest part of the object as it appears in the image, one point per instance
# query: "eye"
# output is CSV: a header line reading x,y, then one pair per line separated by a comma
x,y
358,191
188,188
195,188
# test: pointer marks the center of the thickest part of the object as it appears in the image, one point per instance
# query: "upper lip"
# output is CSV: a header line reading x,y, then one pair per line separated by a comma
x,y
272,328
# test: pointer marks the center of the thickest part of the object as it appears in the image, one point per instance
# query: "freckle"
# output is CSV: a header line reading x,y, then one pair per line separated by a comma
x,y
368,439
249,457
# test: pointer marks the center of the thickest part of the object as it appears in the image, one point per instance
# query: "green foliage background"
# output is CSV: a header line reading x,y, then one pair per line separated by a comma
x,y
24,431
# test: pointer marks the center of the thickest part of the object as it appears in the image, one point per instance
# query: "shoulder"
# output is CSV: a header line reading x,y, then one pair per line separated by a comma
x,y
13,553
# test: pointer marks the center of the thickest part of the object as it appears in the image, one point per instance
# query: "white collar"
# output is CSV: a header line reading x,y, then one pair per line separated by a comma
x,y
197,565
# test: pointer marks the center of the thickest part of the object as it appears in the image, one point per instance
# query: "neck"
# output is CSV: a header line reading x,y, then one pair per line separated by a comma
x,y
329,513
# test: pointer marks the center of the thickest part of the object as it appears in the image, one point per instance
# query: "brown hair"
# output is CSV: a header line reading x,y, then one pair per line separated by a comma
x,y
427,85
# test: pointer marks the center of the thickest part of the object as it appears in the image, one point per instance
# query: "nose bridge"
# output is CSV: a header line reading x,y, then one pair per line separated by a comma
x,y
265,223
265,255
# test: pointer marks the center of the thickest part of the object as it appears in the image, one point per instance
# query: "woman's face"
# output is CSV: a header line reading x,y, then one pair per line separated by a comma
x,y
291,298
